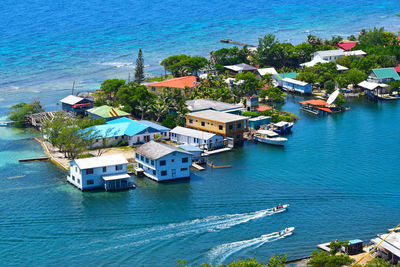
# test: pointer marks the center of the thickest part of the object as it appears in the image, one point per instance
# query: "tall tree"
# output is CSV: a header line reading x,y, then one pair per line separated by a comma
x,y
139,71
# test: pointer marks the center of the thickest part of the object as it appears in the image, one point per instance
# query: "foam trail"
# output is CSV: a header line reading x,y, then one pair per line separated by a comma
x,y
222,252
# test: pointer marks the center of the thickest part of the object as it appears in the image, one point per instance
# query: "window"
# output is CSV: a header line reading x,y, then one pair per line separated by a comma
x,y
239,125
147,160
141,158
220,127
118,167
153,89
154,172
137,156
230,127
238,136
140,165
163,173
172,160
89,182
190,121
183,169
184,160
76,169
89,171
73,178
152,162
104,169
162,162
203,123
79,181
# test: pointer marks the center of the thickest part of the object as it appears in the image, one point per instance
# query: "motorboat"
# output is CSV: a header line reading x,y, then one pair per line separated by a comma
x,y
287,231
281,127
280,208
269,137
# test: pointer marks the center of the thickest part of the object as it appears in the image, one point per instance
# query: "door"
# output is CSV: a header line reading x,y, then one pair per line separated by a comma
x,y
173,173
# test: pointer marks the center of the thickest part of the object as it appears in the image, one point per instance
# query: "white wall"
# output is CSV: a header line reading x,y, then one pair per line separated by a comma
x,y
216,141
173,161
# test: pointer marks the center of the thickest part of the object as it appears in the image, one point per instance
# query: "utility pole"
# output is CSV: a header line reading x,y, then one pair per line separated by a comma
x,y
73,87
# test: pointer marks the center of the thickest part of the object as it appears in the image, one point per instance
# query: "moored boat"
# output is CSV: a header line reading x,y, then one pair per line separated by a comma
x,y
281,127
269,137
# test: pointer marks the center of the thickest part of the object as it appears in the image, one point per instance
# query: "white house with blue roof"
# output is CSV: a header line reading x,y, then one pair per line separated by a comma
x,y
123,129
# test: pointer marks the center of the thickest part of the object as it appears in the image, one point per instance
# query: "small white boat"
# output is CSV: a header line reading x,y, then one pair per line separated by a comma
x,y
280,208
269,137
287,231
281,127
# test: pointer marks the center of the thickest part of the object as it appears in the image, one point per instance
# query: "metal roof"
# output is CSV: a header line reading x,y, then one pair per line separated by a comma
x,y
240,67
107,112
154,150
385,73
392,243
355,53
202,104
192,133
264,71
289,80
103,161
155,125
71,99
371,86
216,116
320,60
190,148
280,76
330,53
116,177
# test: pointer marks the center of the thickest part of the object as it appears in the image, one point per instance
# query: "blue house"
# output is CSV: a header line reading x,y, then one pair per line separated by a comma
x,y
123,129
292,85
164,131
76,104
255,123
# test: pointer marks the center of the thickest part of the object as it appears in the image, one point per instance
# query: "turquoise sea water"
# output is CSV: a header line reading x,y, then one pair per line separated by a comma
x,y
339,173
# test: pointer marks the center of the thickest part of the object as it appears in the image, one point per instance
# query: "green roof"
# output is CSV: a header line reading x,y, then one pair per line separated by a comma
x,y
107,112
386,73
281,76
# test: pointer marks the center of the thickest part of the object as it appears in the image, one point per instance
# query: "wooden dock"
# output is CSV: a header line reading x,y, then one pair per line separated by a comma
x,y
197,166
229,41
34,159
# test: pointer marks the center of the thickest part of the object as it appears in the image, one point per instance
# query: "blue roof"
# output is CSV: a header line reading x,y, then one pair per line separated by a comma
x,y
355,241
155,125
190,148
119,120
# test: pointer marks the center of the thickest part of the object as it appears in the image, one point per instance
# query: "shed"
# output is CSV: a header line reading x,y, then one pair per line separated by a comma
x,y
255,123
355,247
296,86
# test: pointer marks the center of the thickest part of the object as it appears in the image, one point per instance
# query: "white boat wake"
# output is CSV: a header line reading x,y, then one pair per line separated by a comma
x,y
222,252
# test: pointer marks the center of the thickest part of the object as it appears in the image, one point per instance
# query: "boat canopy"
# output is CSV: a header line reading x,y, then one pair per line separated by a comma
x,y
281,124
268,133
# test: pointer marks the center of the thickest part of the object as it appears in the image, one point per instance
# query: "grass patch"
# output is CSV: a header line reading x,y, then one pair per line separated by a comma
x,y
159,78
85,155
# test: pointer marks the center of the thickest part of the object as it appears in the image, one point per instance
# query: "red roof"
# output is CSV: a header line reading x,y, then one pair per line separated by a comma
x,y
347,46
263,108
315,102
397,68
325,109
179,83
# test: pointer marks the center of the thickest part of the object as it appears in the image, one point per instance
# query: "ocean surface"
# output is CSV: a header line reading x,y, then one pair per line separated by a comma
x,y
339,173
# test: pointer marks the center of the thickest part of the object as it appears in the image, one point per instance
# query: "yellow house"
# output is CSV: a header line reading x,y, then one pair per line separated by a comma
x,y
225,124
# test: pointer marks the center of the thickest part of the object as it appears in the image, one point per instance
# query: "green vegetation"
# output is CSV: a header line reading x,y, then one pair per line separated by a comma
x,y
67,135
182,65
250,114
159,78
139,70
85,155
18,112
325,259
274,94
274,261
340,100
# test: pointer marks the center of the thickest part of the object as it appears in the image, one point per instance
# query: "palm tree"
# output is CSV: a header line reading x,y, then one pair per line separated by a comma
x,y
159,109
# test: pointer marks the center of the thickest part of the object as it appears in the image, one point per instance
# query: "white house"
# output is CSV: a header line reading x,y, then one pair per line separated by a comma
x,y
107,172
162,162
203,140
329,55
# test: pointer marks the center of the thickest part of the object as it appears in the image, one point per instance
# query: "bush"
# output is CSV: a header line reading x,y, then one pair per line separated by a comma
x,y
19,112
250,114
323,258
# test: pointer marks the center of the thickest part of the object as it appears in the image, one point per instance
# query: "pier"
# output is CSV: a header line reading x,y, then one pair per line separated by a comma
x,y
197,166
34,159
229,41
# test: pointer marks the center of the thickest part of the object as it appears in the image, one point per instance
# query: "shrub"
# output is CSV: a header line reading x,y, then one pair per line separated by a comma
x,y
250,114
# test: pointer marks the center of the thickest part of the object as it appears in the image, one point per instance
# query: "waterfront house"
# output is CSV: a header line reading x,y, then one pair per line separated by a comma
x,y
106,112
184,84
316,106
389,247
208,104
374,90
277,78
221,123
255,123
162,162
383,75
239,68
194,150
105,172
201,139
123,130
263,71
76,104
292,85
